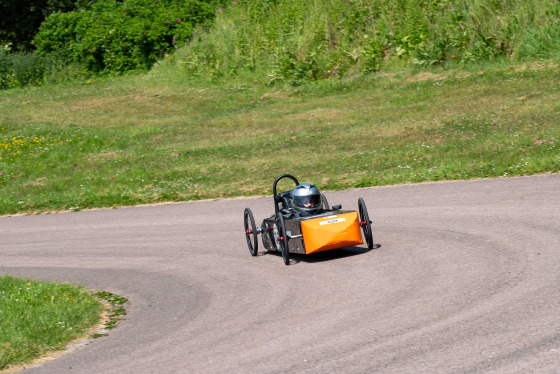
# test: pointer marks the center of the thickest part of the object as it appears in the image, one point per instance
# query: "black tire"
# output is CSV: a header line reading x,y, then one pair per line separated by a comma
x,y
365,223
283,238
325,203
251,232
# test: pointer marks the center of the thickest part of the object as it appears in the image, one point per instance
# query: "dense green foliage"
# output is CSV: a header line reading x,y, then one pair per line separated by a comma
x,y
273,41
119,36
295,40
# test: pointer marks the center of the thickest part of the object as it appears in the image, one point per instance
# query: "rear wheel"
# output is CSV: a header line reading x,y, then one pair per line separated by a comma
x,y
283,239
365,223
251,232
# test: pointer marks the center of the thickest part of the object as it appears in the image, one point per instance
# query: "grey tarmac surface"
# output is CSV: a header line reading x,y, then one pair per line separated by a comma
x,y
465,279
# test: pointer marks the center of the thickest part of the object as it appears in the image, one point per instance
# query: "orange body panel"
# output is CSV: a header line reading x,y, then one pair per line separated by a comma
x,y
331,232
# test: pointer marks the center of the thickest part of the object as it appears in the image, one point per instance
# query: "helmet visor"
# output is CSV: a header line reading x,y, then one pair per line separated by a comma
x,y
312,201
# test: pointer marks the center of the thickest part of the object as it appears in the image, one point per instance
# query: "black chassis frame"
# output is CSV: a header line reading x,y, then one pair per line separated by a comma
x,y
270,231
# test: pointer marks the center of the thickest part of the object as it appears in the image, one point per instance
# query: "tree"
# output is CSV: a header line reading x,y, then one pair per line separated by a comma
x,y
20,20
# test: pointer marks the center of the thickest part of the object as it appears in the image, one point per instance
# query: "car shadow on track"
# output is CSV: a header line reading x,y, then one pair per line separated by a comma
x,y
325,256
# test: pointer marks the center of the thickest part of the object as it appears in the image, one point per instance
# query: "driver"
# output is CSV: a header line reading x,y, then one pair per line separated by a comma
x,y
307,200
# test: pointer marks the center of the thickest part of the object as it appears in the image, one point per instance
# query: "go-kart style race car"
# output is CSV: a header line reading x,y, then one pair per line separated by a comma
x,y
304,223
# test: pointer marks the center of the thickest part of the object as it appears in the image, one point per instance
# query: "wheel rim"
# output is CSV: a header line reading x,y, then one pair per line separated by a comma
x,y
251,232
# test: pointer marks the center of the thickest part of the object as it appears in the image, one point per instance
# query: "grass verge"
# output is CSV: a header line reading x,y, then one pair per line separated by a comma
x,y
159,137
39,318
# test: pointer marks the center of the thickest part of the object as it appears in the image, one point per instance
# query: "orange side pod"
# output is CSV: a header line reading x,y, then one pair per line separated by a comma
x,y
331,232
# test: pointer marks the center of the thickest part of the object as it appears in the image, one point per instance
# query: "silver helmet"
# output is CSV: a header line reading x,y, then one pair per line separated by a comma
x,y
306,199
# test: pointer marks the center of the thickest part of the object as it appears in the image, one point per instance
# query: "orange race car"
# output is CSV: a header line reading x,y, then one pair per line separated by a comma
x,y
304,223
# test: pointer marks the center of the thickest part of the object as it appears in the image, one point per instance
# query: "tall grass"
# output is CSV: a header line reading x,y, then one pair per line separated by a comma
x,y
294,41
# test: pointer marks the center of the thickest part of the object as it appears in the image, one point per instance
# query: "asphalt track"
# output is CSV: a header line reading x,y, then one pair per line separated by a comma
x,y
465,279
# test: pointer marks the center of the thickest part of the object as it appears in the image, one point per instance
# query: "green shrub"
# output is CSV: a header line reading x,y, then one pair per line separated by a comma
x,y
119,36
22,69
29,69
6,70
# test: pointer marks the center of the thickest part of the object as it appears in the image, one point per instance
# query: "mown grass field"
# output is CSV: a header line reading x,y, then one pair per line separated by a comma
x,y
37,318
158,137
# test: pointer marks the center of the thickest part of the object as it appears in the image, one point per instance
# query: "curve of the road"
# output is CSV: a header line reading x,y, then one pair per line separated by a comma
x,y
465,279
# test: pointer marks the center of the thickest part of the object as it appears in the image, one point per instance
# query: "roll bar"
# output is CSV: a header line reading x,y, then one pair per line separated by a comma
x,y
277,198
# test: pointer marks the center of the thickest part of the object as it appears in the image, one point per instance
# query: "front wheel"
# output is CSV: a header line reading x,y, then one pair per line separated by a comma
x,y
325,203
365,223
283,239
251,232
